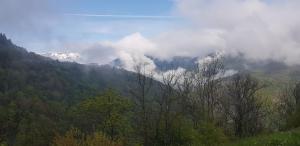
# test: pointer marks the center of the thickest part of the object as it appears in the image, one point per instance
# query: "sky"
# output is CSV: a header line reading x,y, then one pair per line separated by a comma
x,y
99,31
41,25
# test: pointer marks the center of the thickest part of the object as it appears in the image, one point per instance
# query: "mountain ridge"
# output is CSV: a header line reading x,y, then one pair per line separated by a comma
x,y
20,70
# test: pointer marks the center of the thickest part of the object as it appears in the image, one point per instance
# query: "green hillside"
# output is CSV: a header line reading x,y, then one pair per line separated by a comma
x,y
22,71
277,81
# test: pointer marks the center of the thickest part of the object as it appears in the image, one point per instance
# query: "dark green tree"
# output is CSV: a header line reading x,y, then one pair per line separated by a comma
x,y
108,113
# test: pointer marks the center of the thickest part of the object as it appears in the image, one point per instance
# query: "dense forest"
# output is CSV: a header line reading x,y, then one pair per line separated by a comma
x,y
45,102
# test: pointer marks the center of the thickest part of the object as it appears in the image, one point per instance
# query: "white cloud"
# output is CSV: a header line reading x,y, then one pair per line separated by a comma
x,y
260,29
130,50
64,56
190,43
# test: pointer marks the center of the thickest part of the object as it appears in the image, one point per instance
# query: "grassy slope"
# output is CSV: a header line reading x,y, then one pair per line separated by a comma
x,y
290,138
274,82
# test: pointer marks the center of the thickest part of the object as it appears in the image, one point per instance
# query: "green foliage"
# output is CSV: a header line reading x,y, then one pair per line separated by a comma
x,y
3,144
74,137
179,133
291,138
293,120
183,133
100,139
34,131
108,113
36,92
210,135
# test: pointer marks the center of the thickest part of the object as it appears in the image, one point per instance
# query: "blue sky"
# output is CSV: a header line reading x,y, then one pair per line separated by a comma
x,y
69,28
129,7
116,27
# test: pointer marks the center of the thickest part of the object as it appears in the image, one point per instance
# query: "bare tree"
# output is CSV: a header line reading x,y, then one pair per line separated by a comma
x,y
167,106
185,90
208,77
143,85
297,94
245,109
288,103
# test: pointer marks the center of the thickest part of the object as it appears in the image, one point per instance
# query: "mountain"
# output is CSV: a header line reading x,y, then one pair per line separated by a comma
x,y
274,74
40,98
38,94
165,65
22,72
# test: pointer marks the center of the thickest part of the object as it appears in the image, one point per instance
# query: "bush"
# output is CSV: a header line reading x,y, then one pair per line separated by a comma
x,y
210,135
291,138
75,138
294,120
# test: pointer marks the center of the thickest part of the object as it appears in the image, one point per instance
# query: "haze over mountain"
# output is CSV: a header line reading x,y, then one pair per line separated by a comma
x,y
95,78
53,79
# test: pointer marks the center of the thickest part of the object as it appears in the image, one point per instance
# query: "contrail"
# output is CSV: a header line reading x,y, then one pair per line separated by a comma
x,y
123,16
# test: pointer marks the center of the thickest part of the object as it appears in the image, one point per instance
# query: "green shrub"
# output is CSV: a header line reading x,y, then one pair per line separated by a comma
x,y
291,138
210,135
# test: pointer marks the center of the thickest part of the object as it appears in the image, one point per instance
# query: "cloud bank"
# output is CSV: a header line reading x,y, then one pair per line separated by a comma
x,y
260,29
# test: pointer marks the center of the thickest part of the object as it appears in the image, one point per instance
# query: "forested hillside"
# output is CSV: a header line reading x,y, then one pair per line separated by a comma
x,y
35,91
54,80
